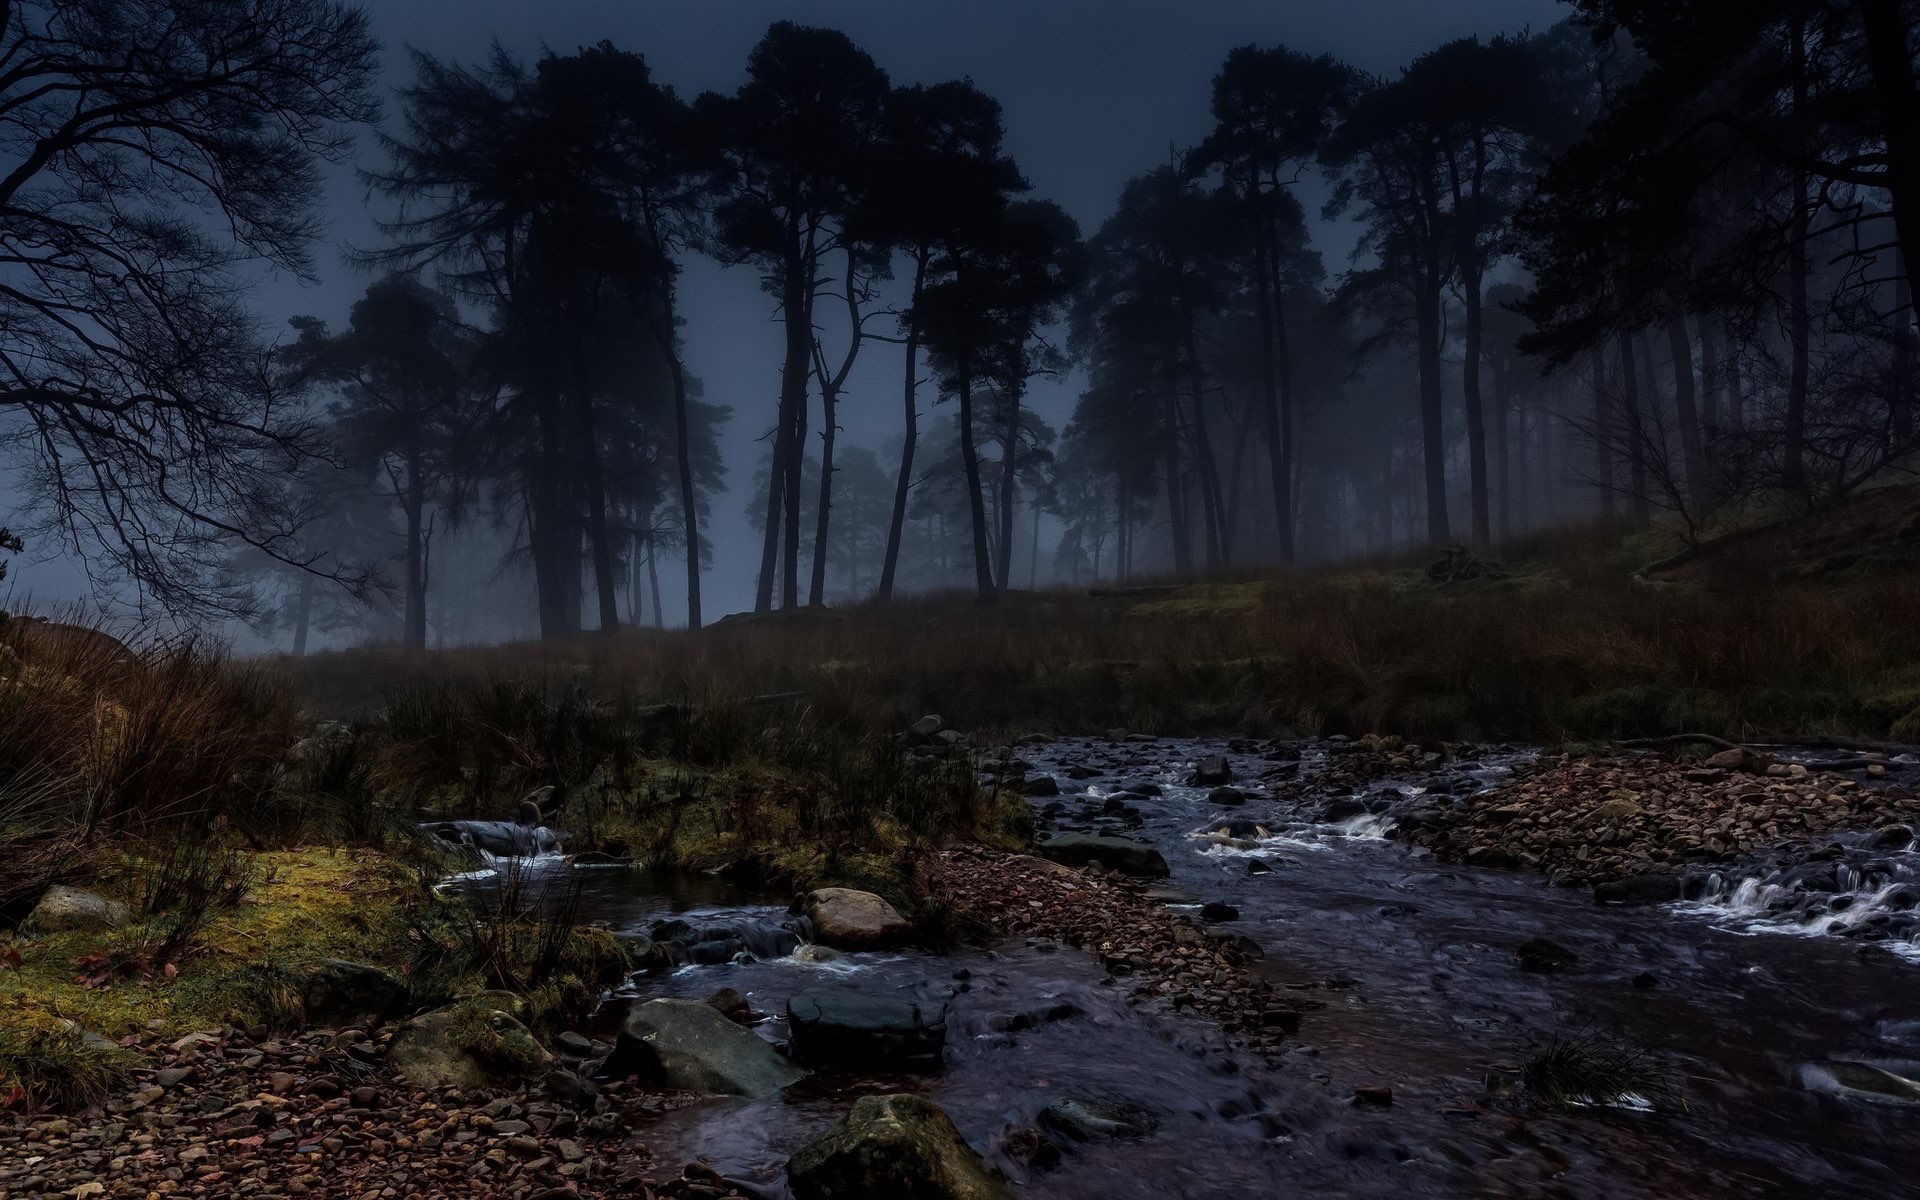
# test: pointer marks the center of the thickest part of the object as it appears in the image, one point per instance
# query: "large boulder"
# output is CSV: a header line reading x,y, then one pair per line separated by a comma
x,y
341,995
845,1027
471,1045
899,1145
854,920
502,839
688,1046
1211,772
64,908
1129,856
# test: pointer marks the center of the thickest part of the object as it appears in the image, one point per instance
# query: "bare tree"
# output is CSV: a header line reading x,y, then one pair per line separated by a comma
x,y
161,153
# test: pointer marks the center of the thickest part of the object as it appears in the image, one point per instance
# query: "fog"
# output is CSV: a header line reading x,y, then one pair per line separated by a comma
x,y
1274,285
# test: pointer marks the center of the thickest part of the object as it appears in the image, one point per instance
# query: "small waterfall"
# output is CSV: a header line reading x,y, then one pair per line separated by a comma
x,y
1849,889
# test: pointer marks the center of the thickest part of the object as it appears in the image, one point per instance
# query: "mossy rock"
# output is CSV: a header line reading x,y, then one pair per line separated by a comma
x,y
899,1145
472,1044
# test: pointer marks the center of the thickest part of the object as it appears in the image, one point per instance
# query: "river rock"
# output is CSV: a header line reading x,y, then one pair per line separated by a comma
x,y
468,1045
1210,772
1226,795
1094,1118
1544,956
345,995
687,1046
1638,889
854,920
1041,785
729,1003
1873,1082
844,1026
1892,837
63,909
1617,809
924,729
1129,856
1219,910
893,1146
1344,809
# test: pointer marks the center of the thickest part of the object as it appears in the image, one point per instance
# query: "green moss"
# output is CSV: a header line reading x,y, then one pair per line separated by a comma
x,y
306,905
480,1028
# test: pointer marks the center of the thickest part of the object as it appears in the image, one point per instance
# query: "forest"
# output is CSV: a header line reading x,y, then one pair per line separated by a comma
x,y
1624,267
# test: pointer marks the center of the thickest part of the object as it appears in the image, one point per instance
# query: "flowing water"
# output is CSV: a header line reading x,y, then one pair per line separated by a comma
x,y
1414,963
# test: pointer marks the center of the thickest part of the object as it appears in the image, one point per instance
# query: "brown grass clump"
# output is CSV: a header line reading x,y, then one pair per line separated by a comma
x,y
98,743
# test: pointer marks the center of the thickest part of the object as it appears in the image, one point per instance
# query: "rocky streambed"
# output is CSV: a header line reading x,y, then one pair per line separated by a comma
x,y
1255,968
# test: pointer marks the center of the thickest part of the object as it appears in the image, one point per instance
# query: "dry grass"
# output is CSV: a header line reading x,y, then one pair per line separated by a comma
x,y
1565,648
98,744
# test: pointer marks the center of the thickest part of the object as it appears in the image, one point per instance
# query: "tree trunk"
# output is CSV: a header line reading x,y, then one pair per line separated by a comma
x,y
1901,395
303,614
770,531
653,580
683,454
1033,552
1637,448
976,503
1178,521
830,388
599,541
795,477
1502,456
1602,436
1467,253
1890,63
1220,543
904,484
552,535
1275,377
1735,388
817,582
1793,450
1009,486
415,628
1699,487
789,445
634,608
1432,426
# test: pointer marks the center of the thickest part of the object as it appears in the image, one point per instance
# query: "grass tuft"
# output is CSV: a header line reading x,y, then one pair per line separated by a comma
x,y
1591,1069
52,1064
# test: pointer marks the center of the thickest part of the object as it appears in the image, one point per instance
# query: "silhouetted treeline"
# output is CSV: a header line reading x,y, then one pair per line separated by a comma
x,y
1650,258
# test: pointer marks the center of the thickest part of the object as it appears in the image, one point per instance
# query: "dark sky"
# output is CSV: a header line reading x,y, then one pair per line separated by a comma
x,y
1094,91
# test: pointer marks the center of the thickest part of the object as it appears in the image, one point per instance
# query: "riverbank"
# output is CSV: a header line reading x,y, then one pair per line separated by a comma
x,y
1149,951
1590,820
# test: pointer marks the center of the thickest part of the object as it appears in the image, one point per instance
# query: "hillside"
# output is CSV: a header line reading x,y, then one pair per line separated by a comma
x,y
1805,628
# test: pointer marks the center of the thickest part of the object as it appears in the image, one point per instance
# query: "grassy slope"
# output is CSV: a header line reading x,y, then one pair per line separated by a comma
x,y
1807,630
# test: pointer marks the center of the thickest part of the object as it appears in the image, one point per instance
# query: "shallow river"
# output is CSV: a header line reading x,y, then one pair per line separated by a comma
x,y
1414,962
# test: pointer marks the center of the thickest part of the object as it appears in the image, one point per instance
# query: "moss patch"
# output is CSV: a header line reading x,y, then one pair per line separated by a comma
x,y
306,905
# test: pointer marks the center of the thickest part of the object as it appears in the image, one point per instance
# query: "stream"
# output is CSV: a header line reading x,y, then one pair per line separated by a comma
x,y
1747,995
